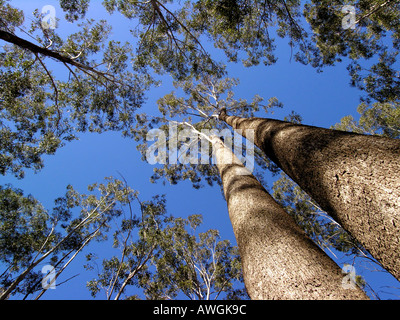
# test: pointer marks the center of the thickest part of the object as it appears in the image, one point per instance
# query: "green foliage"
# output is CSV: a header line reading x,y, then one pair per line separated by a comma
x,y
137,237
376,119
10,17
23,227
377,34
246,27
102,88
40,113
29,234
383,80
196,110
201,267
374,20
169,39
165,41
162,258
170,33
25,132
74,9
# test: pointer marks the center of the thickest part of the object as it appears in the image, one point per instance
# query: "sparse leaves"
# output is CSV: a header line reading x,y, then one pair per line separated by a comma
x,y
199,266
164,257
29,234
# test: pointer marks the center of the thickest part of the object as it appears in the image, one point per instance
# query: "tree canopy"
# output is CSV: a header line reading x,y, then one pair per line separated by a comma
x,y
57,85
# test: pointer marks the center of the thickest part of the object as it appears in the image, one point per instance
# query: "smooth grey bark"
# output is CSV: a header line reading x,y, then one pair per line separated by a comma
x,y
354,178
279,261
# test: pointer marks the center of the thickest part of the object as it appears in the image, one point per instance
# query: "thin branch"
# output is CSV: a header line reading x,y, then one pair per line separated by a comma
x,y
202,113
54,86
135,271
124,246
375,9
170,35
181,24
71,71
7,292
88,239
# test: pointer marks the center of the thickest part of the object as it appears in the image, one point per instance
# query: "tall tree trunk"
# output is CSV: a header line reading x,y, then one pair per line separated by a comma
x,y
355,178
279,261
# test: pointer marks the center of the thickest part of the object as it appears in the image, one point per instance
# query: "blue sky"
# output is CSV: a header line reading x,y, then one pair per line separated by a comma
x,y
322,99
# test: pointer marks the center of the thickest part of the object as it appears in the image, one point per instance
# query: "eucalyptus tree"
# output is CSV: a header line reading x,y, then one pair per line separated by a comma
x,y
375,119
137,236
350,176
103,95
279,260
196,265
195,111
162,259
203,100
31,236
373,32
42,108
